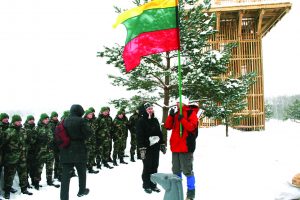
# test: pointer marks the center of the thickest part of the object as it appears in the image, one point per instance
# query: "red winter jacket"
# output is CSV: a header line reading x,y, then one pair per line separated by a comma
x,y
178,144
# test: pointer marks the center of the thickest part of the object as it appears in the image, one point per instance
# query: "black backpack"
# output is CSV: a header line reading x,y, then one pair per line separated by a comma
x,y
62,137
191,138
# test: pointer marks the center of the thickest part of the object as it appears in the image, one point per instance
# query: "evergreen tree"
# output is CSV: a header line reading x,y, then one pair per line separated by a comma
x,y
293,111
268,111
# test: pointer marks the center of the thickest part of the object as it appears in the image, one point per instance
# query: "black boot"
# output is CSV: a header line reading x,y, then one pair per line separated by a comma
x,y
122,161
13,190
25,191
85,192
6,195
107,165
132,158
115,162
98,166
50,182
91,171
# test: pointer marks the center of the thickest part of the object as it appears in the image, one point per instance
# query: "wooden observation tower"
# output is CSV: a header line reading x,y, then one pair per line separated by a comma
x,y
246,22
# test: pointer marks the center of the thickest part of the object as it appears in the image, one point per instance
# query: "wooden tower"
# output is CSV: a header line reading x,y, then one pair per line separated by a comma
x,y
246,22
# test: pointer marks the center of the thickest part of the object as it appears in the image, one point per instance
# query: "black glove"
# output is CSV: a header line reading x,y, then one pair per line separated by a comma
x,y
163,148
180,117
143,152
172,112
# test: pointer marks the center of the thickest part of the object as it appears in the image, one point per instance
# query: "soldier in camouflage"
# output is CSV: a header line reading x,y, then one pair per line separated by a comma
x,y
30,130
110,140
104,134
91,142
132,128
125,136
57,167
46,154
4,123
14,143
119,133
95,128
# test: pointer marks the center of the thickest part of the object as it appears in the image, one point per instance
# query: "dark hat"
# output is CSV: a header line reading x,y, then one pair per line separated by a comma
x,y
147,105
92,109
3,116
54,114
29,117
103,109
16,118
120,112
43,116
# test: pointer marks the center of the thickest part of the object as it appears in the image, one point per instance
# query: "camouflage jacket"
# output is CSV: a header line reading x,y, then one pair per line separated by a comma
x,y
132,122
119,128
14,144
45,140
104,126
31,135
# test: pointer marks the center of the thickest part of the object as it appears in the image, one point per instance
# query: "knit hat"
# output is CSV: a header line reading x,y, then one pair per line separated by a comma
x,y
88,111
16,118
108,108
54,114
3,116
147,105
103,109
29,117
92,109
43,116
120,112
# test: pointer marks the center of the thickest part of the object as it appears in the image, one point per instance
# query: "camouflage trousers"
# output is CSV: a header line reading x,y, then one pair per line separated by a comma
x,y
119,148
57,165
9,175
49,161
91,154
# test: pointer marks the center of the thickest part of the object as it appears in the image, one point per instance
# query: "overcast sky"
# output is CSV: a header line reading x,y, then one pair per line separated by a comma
x,y
48,54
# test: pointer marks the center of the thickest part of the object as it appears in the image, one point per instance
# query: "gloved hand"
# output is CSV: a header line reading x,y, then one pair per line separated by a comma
x,y
163,148
180,117
172,112
143,152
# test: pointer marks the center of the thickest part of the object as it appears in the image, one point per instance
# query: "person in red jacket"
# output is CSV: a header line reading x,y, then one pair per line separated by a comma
x,y
183,145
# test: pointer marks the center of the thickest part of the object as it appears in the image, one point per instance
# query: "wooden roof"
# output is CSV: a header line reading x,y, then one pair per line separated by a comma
x,y
268,14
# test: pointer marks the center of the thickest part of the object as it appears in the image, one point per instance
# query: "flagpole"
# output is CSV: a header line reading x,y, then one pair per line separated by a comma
x,y
180,88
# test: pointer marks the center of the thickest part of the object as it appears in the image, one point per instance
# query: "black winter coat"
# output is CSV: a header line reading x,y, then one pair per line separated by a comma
x,y
78,131
147,127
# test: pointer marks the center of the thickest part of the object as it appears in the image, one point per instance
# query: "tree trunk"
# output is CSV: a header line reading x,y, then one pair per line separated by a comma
x,y
226,124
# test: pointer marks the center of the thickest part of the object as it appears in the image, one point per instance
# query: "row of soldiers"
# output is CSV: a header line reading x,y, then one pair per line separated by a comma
x,y
26,148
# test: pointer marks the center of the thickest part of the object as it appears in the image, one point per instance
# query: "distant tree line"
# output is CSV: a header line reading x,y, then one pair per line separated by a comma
x,y
283,107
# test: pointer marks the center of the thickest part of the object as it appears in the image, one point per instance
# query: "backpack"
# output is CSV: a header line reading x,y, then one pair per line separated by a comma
x,y
191,138
62,137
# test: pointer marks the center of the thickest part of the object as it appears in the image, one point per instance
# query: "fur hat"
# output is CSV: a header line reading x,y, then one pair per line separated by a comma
x,y
54,114
29,117
3,116
43,116
16,118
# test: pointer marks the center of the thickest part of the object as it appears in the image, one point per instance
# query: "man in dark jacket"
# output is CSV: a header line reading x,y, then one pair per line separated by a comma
x,y
150,141
76,153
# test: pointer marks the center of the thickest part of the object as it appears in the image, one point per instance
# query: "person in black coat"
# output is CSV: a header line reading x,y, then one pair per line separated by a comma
x,y
76,153
150,141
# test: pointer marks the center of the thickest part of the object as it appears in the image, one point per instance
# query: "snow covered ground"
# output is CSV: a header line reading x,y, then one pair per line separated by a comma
x,y
246,165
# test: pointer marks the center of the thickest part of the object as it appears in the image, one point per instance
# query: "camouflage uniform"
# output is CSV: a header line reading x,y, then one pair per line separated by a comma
x,y
57,167
31,150
119,135
91,142
104,134
15,148
45,144
3,127
132,128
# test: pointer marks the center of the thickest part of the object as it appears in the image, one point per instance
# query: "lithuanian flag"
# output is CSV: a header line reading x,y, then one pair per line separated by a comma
x,y
151,28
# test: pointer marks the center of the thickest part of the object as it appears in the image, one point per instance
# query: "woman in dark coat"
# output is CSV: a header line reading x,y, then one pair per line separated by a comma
x,y
150,141
76,153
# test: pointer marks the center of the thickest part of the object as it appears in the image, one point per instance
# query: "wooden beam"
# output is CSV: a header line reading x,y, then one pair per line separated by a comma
x,y
260,19
241,13
257,6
